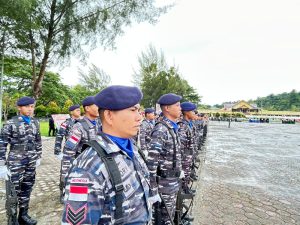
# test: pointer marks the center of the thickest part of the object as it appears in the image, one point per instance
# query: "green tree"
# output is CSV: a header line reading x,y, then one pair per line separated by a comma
x,y
95,79
67,104
51,31
156,78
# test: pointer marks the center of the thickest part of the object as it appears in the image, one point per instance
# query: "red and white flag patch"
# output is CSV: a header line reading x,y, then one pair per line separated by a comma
x,y
78,193
74,139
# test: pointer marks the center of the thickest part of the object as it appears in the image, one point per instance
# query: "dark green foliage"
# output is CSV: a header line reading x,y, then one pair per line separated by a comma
x,y
281,102
50,31
156,78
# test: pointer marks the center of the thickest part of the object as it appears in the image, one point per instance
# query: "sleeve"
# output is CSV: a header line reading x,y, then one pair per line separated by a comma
x,y
38,140
59,137
143,137
5,138
153,160
84,199
183,138
70,148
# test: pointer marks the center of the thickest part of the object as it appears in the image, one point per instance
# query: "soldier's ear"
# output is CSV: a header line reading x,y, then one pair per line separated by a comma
x,y
108,116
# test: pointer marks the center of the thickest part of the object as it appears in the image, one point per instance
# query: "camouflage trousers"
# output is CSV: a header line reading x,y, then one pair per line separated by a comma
x,y
23,172
164,218
187,164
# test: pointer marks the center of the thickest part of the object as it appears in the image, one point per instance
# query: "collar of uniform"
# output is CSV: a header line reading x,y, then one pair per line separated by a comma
x,y
171,123
109,146
88,121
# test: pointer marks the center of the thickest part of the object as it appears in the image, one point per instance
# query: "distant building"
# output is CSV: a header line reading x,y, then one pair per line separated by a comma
x,y
241,106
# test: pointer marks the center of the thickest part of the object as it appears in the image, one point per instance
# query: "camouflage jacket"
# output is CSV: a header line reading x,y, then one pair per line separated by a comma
x,y
164,158
79,135
90,196
24,139
145,135
63,131
187,139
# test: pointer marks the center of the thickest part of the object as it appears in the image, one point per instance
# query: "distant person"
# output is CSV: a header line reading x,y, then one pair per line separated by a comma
x,y
51,127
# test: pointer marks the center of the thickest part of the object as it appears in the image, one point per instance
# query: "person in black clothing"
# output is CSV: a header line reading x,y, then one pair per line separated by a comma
x,y
51,127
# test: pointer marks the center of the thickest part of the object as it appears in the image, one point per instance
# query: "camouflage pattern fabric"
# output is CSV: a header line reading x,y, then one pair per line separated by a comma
x,y
25,149
145,135
90,196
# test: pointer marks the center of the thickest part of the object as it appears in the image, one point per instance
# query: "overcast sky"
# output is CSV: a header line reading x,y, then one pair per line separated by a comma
x,y
227,49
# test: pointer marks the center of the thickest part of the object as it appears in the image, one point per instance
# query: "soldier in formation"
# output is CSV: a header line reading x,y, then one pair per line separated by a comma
x,y
84,130
146,129
109,182
22,134
164,159
64,132
65,128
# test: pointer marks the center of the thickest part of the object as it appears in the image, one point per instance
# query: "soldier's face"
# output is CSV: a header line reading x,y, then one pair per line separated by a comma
x,y
92,110
76,113
26,110
123,123
190,115
174,110
150,116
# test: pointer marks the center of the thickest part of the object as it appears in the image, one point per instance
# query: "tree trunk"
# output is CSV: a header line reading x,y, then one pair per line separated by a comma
x,y
37,87
32,50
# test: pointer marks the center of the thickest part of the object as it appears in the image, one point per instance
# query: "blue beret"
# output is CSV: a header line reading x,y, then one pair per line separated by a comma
x,y
169,99
25,101
188,106
118,97
149,110
90,100
73,107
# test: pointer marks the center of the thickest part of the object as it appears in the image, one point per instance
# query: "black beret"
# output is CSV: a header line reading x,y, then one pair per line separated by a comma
x,y
25,101
169,99
149,110
188,106
73,107
118,97
90,100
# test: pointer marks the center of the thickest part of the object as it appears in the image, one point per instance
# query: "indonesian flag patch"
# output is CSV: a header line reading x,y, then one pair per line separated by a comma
x,y
78,193
74,139
76,217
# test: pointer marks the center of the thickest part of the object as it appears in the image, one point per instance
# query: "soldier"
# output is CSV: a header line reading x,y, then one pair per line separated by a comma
x,y
93,196
83,131
145,130
22,132
164,159
65,128
188,145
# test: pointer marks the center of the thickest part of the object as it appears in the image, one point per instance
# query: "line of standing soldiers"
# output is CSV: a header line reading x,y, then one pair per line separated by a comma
x,y
171,145
91,192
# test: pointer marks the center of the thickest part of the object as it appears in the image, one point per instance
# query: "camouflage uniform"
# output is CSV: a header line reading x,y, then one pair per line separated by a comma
x,y
199,133
145,135
64,131
25,149
78,136
95,203
187,141
164,164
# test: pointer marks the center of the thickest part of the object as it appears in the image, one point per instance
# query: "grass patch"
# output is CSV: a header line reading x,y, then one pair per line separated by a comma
x,y
44,127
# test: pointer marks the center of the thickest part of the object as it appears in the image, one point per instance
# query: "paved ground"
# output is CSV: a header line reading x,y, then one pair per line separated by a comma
x,y
251,175
44,202
237,184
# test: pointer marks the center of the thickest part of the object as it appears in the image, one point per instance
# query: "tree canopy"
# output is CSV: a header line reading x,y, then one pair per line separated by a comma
x,y
281,102
50,31
156,78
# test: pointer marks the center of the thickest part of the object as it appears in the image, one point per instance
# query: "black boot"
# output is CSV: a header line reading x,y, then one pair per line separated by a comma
x,y
24,218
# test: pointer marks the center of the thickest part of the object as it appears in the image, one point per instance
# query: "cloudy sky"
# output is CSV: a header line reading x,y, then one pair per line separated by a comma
x,y
227,49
